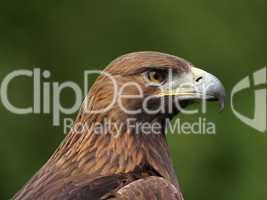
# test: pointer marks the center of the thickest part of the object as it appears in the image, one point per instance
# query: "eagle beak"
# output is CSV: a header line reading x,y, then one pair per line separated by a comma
x,y
196,85
209,86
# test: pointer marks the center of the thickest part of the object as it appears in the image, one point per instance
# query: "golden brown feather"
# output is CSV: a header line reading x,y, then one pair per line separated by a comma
x,y
99,166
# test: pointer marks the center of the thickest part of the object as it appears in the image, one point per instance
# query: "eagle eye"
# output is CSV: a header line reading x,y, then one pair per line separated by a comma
x,y
156,76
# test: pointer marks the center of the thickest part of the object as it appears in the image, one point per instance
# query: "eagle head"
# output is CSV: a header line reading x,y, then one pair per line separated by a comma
x,y
149,85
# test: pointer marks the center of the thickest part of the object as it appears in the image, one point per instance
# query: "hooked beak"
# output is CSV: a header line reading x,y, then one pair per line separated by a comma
x,y
196,84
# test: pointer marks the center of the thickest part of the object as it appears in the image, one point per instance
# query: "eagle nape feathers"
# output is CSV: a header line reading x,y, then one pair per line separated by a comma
x,y
93,163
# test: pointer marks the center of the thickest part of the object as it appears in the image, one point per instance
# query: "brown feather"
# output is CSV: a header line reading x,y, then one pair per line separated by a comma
x,y
90,166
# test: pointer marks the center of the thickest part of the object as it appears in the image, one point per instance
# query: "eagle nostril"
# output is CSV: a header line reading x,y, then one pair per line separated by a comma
x,y
199,79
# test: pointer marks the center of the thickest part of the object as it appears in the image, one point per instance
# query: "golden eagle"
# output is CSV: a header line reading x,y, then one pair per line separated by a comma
x,y
93,163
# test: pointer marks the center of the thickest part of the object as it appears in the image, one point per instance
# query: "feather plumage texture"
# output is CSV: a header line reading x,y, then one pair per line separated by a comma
x,y
88,165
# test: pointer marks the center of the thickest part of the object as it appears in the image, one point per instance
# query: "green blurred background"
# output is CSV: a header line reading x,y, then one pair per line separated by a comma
x,y
226,38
